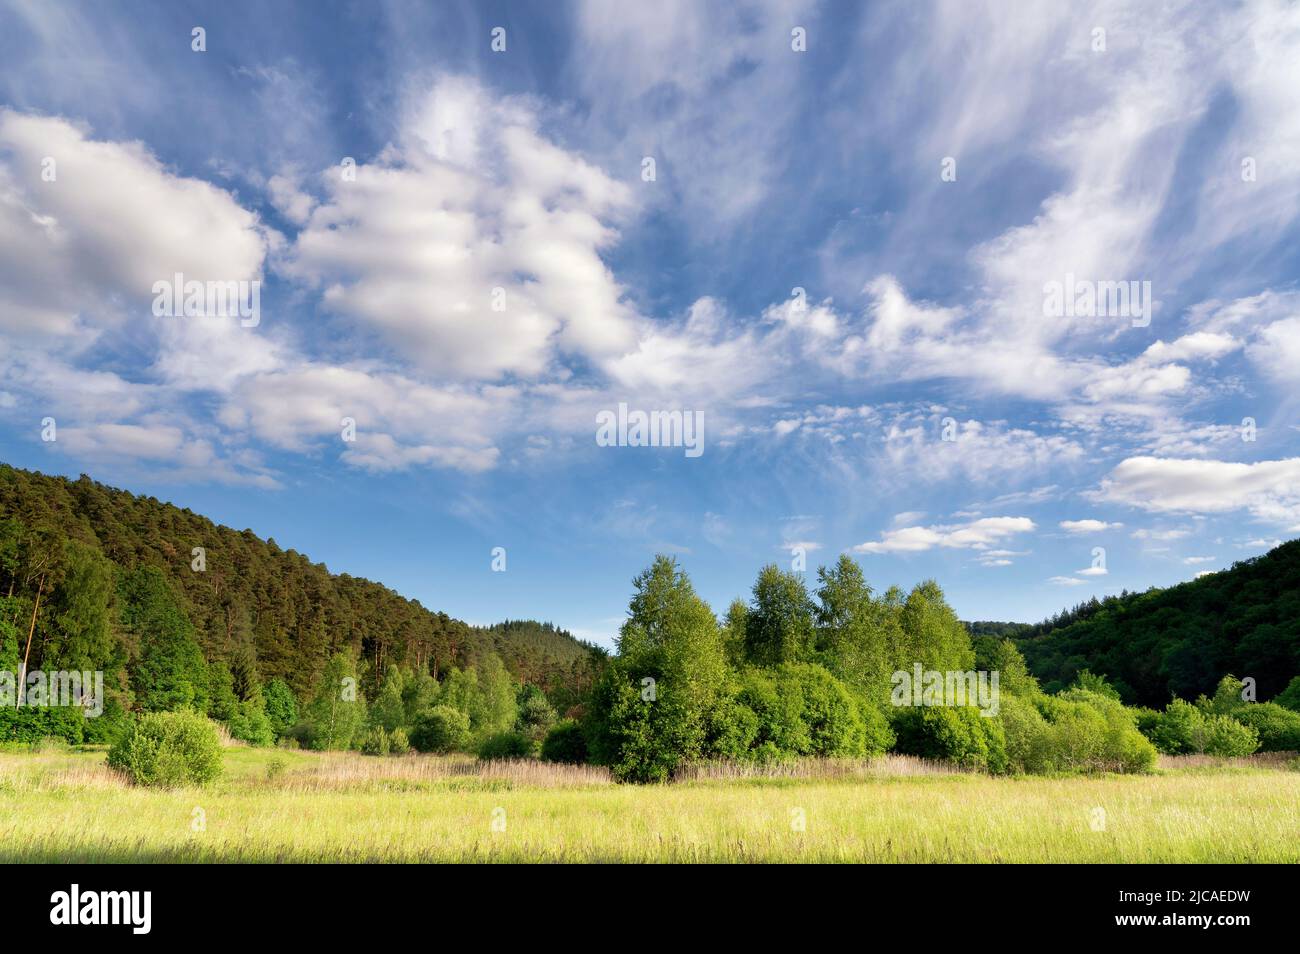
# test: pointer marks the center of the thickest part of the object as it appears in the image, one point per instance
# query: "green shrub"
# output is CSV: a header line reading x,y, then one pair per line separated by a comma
x,y
375,741
958,734
1278,728
1227,737
1186,729
166,749
249,723
505,745
1028,736
1176,731
1114,744
536,714
733,730
1289,698
441,729
398,742
565,743
635,737
281,707
29,724
801,709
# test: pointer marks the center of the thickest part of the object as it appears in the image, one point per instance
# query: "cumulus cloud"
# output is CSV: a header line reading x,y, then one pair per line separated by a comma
x,y
473,243
1270,490
83,250
1088,526
976,534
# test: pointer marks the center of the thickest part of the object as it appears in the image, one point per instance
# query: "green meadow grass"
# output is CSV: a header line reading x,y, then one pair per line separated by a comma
x,y
281,806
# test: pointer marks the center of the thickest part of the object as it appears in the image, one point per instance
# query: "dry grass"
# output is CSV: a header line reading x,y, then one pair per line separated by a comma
x,y
340,771
887,766
1281,760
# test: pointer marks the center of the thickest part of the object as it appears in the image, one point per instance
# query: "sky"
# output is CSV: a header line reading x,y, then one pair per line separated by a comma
x,y
858,244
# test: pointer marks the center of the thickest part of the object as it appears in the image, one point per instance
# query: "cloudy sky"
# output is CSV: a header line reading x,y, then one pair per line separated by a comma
x,y
838,255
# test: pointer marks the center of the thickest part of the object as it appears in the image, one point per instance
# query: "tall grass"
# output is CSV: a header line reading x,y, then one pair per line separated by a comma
x,y
340,771
886,766
320,807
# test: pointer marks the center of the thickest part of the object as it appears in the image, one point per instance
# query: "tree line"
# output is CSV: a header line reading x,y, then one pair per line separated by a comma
x,y
93,578
793,670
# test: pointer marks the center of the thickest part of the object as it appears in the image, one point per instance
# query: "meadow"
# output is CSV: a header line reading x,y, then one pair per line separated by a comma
x,y
290,806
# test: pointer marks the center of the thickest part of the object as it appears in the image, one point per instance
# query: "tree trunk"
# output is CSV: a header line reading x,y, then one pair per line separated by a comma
x,y
22,670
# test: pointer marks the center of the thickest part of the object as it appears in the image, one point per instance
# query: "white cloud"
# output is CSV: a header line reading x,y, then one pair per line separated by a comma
x,y
1088,526
1201,345
980,451
83,251
472,199
977,534
1148,533
1270,490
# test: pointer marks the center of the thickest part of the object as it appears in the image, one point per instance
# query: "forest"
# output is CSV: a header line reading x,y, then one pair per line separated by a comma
x,y
1177,641
183,616
94,578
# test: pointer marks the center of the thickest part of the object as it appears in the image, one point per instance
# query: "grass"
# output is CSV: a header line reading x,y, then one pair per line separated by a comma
x,y
282,806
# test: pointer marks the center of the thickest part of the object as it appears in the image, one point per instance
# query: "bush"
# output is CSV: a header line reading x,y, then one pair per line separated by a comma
x,y
249,723
166,749
801,709
1122,747
1028,736
375,742
1185,729
565,743
281,707
29,724
441,729
956,734
536,714
505,745
1278,728
275,768
1175,732
1227,737
398,742
733,730
1289,698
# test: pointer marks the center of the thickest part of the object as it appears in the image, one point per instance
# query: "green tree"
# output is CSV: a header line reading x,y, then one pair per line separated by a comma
x,y
337,712
80,609
281,707
933,635
779,628
652,707
851,630
441,729
170,672
389,710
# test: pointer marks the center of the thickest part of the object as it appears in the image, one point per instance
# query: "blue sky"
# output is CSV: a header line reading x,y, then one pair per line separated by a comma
x,y
921,171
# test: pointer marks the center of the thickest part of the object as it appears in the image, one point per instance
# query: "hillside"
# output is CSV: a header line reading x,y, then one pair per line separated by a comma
x,y
74,541
1178,641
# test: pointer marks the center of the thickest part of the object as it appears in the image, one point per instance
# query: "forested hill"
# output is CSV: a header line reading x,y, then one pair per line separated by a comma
x,y
75,540
1178,641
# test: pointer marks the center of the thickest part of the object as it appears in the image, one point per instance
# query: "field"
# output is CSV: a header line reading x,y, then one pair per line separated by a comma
x,y
272,806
